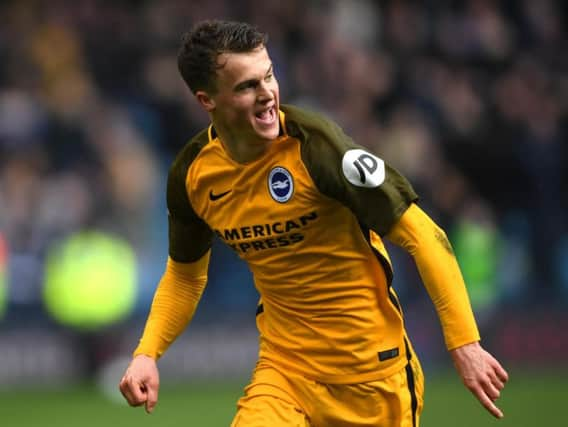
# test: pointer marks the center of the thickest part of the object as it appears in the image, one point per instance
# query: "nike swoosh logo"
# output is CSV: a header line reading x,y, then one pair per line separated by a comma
x,y
214,197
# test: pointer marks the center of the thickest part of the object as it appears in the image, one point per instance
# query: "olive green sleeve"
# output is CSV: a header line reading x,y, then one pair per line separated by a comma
x,y
189,236
375,192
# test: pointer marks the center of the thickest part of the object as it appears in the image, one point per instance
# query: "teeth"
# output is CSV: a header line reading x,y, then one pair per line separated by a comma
x,y
265,115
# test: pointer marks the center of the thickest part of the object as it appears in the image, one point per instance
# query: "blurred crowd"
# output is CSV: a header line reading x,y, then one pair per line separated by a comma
x,y
468,99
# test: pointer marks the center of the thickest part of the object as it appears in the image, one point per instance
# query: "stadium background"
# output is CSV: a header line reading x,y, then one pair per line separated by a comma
x,y
469,99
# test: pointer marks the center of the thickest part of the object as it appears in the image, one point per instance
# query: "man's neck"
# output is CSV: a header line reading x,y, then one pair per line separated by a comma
x,y
239,150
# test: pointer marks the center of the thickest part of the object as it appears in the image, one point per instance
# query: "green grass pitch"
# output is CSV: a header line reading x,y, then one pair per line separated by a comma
x,y
530,399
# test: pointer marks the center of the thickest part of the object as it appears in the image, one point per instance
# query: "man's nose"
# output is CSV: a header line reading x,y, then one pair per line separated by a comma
x,y
265,94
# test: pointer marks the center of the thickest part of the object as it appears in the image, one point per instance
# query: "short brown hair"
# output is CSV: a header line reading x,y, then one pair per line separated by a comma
x,y
200,47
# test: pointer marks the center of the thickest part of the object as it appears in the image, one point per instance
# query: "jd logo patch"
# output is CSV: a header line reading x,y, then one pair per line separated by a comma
x,y
363,169
280,184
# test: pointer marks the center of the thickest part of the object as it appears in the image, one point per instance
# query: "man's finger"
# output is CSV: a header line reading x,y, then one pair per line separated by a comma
x,y
130,399
487,402
151,398
496,381
133,392
490,389
501,373
125,390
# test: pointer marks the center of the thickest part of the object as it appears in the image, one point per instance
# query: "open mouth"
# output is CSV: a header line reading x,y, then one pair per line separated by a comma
x,y
266,117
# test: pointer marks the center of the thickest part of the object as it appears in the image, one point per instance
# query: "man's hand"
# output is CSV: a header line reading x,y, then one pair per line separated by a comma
x,y
141,382
481,373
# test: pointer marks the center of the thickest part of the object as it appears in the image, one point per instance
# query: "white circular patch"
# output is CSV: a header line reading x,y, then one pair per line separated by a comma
x,y
280,184
363,169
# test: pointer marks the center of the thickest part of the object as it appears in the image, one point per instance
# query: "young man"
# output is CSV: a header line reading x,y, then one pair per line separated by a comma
x,y
307,209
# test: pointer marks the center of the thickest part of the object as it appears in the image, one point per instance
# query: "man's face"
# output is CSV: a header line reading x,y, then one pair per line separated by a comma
x,y
247,99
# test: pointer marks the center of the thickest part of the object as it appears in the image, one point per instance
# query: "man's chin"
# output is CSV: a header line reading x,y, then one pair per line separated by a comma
x,y
268,134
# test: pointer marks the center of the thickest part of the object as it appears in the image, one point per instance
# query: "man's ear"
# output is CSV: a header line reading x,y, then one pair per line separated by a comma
x,y
205,100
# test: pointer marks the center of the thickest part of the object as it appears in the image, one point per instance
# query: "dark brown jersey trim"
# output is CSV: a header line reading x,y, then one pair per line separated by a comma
x,y
323,145
189,236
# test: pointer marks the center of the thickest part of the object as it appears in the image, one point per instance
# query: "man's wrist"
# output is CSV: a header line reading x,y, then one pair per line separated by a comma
x,y
144,354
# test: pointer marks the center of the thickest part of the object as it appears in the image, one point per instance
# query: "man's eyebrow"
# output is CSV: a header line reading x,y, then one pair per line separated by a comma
x,y
245,83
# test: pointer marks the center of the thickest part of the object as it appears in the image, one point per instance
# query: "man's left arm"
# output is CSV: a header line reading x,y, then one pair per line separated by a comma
x,y
481,373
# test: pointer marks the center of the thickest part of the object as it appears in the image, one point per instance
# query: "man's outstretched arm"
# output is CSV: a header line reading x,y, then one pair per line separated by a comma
x,y
174,304
427,243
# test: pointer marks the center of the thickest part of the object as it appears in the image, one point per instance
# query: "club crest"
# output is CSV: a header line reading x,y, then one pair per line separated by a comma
x,y
280,184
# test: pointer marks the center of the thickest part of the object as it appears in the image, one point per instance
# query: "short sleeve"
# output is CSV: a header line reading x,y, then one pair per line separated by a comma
x,y
189,236
376,193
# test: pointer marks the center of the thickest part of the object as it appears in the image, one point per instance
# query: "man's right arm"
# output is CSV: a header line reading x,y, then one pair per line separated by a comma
x,y
174,304
181,286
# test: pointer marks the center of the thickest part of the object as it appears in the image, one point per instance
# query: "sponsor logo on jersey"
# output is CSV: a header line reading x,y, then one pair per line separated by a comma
x,y
257,237
363,169
280,184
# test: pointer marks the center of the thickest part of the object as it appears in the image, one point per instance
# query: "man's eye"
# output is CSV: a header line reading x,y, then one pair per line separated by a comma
x,y
246,86
268,77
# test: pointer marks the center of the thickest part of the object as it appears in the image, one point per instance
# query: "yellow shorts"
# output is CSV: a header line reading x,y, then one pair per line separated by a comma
x,y
273,399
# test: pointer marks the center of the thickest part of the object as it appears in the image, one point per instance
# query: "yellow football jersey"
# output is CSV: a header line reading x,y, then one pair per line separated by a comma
x,y
307,217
